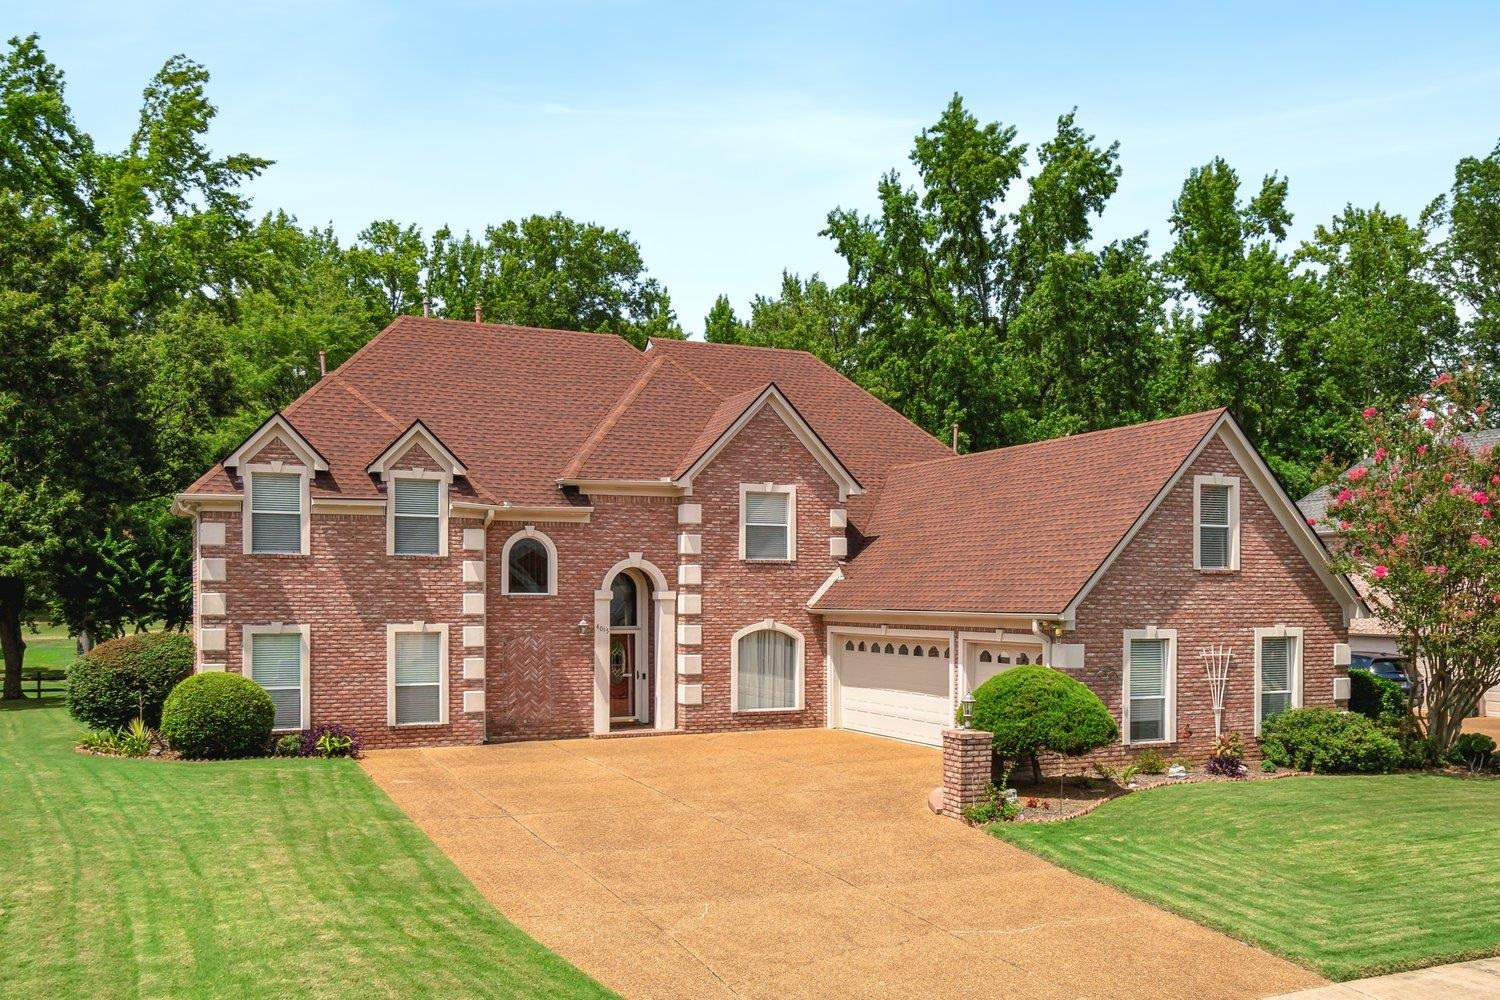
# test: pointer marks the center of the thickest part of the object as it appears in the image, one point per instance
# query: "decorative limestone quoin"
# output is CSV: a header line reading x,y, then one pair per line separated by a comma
x,y
472,532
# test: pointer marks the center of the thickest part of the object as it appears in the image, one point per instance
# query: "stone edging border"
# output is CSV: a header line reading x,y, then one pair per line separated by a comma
x,y
1197,779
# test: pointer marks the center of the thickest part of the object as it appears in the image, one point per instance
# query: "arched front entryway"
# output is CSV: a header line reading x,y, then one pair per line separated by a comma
x,y
635,648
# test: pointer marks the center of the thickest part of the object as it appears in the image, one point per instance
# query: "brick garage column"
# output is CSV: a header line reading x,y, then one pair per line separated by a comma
x,y
966,768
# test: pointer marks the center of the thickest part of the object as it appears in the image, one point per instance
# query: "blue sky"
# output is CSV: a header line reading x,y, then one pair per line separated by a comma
x,y
720,138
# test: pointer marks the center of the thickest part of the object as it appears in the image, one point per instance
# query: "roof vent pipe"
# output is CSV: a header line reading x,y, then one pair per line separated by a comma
x,y
955,437
478,313
426,305
322,364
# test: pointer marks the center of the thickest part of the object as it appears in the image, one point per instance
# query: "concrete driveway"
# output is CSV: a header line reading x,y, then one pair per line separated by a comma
x,y
789,863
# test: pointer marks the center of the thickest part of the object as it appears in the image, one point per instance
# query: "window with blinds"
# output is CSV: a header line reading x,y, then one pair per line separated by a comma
x,y
419,678
1148,689
415,507
276,665
1278,674
1213,527
767,519
275,512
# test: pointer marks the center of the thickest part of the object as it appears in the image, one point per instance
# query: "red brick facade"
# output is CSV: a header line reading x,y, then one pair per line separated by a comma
x,y
1153,582
534,658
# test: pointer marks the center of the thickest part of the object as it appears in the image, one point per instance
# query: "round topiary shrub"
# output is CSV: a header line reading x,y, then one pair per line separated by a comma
x,y
131,676
217,716
1328,741
1035,708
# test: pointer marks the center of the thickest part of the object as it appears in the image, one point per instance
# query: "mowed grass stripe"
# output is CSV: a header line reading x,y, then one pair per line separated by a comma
x,y
1352,876
266,878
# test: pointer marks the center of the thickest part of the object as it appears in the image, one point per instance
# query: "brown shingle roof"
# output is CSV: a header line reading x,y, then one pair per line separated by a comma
x,y
1018,529
523,408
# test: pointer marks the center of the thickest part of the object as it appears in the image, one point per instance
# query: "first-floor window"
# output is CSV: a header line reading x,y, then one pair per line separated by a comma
x,y
417,687
276,665
1278,675
767,664
1148,679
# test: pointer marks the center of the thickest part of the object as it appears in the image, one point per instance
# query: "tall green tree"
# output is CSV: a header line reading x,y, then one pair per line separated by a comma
x,y
1467,261
1378,330
721,325
97,399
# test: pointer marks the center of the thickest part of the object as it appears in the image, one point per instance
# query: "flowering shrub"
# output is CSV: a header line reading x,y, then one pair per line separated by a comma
x,y
1418,522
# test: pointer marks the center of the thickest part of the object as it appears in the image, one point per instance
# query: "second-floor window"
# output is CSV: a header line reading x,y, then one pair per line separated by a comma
x,y
416,508
767,519
1217,507
275,512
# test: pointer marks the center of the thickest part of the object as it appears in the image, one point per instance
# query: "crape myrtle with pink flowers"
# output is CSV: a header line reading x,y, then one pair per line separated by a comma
x,y
1418,522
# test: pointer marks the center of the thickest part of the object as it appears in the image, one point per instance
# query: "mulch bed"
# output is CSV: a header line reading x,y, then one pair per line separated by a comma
x,y
1073,796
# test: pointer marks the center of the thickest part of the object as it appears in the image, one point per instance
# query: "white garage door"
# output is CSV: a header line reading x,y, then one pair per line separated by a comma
x,y
1490,703
895,687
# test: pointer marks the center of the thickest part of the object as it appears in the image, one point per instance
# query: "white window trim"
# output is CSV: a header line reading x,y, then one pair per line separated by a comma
x,y
1169,727
1233,482
791,519
390,512
528,532
249,529
734,667
248,632
391,631
1280,631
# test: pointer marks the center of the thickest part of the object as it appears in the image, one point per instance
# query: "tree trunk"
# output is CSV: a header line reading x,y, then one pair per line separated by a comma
x,y
1036,770
12,597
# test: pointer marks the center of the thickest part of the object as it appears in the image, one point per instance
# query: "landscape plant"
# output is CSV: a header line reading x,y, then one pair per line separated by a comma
x,y
1150,761
1227,757
1472,750
217,716
1377,698
1417,522
128,678
331,740
1034,709
1328,741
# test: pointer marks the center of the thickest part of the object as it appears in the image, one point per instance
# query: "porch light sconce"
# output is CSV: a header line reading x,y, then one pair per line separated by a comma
x,y
583,627
1055,630
967,708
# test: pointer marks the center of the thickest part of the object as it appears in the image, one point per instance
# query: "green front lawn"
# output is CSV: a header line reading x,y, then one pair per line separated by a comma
x,y
264,878
1351,876
50,647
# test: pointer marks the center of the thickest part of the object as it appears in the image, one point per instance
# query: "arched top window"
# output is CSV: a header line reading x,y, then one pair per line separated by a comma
x,y
1023,659
932,651
530,561
623,603
889,648
984,656
766,661
904,650
849,646
917,651
861,646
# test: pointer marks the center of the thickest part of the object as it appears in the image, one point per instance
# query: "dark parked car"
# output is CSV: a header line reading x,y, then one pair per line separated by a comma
x,y
1392,668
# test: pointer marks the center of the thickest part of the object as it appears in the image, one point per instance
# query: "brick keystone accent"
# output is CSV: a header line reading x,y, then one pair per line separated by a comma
x,y
966,768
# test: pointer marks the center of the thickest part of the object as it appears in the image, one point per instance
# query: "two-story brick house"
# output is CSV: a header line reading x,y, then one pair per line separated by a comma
x,y
473,532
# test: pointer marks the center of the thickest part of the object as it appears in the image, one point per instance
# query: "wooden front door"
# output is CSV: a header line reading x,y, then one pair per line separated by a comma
x,y
621,675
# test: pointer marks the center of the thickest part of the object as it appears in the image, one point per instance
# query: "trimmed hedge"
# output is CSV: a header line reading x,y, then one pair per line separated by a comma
x,y
1375,697
217,716
1033,709
1328,741
127,677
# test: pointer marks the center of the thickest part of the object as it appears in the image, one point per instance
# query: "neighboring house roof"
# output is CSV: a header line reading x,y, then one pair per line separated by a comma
x,y
1315,504
526,408
1020,529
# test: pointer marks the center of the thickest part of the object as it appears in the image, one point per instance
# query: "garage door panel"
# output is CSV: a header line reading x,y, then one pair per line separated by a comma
x,y
888,694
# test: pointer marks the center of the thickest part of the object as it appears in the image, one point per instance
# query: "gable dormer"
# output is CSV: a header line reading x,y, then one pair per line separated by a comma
x,y
276,465
418,470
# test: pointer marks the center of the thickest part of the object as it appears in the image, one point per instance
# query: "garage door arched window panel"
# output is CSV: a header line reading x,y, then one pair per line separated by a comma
x,y
530,561
1150,686
766,668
